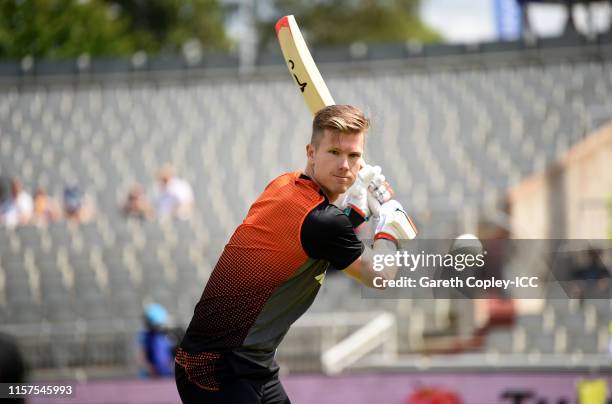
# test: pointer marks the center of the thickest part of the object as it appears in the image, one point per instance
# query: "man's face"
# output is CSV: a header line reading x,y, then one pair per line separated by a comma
x,y
16,187
334,164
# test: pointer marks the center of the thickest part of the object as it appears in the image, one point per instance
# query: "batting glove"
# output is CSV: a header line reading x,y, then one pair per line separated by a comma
x,y
394,224
356,197
379,191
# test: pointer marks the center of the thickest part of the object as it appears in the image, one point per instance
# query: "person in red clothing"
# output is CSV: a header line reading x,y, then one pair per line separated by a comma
x,y
274,264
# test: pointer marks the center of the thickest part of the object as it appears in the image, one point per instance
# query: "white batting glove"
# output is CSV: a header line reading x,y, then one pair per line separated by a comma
x,y
379,187
379,192
394,224
356,197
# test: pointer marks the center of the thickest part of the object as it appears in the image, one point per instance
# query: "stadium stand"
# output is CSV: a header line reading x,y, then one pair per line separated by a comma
x,y
74,294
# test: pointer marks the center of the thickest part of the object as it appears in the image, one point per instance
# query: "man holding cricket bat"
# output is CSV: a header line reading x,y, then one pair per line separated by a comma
x,y
274,264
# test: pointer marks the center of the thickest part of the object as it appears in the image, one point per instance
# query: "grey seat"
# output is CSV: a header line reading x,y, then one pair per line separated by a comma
x,y
52,285
126,305
29,236
118,275
24,310
92,303
500,341
543,343
187,271
532,322
587,343
572,321
46,258
59,232
18,289
11,258
91,234
59,309
14,272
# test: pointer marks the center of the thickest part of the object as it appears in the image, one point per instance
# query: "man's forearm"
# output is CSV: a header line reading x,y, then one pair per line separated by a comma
x,y
363,268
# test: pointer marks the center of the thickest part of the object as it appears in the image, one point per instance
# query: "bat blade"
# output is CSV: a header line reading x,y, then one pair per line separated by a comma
x,y
305,73
301,65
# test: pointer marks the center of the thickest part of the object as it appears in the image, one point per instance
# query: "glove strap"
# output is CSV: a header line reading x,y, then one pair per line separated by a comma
x,y
358,211
386,236
355,215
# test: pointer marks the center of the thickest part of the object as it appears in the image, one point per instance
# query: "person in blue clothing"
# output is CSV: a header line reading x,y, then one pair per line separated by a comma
x,y
156,345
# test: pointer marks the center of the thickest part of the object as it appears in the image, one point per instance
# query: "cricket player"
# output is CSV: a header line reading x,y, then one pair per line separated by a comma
x,y
274,264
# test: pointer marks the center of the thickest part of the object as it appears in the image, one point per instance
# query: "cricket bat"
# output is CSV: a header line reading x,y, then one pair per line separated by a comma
x,y
303,68
301,65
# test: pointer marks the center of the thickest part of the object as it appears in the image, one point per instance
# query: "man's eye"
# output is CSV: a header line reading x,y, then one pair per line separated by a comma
x,y
355,156
334,152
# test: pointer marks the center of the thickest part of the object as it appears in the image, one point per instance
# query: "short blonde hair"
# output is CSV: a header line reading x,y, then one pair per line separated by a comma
x,y
338,118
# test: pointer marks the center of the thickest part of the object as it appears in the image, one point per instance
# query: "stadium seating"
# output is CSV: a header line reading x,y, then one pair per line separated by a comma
x,y
448,140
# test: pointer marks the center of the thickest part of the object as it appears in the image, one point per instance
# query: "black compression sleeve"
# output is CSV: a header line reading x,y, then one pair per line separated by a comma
x,y
328,234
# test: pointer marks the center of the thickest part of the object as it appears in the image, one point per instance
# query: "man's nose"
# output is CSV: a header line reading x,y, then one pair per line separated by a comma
x,y
344,163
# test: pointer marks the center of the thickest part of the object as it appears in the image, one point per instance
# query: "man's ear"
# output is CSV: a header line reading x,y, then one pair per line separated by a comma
x,y
310,152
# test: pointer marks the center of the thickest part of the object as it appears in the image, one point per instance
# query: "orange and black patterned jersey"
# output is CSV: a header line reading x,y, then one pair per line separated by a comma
x,y
267,276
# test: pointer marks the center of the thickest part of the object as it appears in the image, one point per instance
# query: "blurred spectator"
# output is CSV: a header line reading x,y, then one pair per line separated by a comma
x,y
173,196
5,189
181,188
17,210
136,204
592,278
78,207
12,365
46,209
157,347
166,202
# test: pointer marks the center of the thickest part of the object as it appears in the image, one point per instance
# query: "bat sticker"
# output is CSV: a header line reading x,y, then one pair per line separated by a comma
x,y
302,85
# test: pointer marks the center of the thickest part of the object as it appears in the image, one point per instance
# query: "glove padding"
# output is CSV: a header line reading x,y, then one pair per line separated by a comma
x,y
393,223
379,191
379,187
356,197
